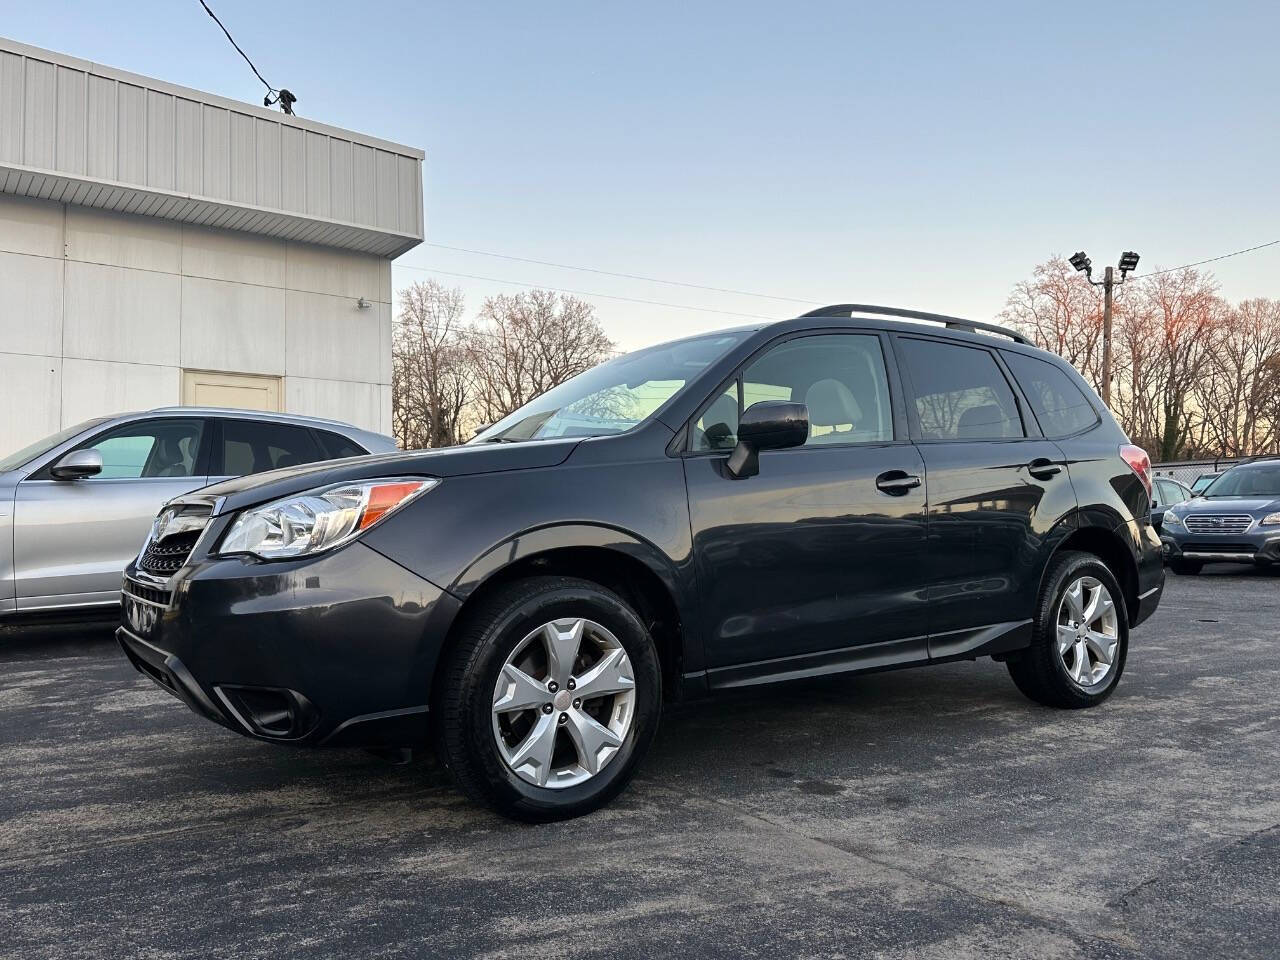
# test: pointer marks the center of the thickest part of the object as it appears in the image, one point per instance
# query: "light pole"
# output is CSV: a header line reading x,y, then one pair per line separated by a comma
x,y
1128,261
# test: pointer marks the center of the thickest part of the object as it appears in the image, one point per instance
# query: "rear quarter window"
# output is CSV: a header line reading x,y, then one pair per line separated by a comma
x,y
1058,403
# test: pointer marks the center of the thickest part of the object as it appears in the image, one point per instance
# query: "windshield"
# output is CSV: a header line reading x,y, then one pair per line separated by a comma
x,y
30,452
1247,482
615,396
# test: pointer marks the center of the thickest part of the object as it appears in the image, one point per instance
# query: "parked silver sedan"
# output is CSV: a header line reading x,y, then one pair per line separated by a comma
x,y
76,506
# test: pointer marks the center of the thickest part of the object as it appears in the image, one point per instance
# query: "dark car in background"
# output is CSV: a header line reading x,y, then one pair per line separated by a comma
x,y
834,493
1236,519
1165,493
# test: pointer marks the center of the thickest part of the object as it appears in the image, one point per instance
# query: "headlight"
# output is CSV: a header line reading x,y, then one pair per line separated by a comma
x,y
319,520
1270,520
1171,519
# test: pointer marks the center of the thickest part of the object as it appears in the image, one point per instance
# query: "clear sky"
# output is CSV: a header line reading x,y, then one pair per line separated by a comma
x,y
923,155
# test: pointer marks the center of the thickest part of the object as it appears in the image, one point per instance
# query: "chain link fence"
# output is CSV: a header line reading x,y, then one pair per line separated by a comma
x,y
1186,471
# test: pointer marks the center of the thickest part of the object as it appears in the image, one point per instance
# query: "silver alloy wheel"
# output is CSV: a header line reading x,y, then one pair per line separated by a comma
x,y
1088,632
563,703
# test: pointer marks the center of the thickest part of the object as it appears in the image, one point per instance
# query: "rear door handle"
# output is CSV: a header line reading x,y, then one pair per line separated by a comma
x,y
1042,468
897,482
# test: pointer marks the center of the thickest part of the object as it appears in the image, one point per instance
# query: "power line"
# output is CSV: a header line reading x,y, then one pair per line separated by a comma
x,y
283,97
1200,263
611,273
587,293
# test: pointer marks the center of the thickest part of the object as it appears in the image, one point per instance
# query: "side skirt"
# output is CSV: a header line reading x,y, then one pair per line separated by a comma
x,y
869,658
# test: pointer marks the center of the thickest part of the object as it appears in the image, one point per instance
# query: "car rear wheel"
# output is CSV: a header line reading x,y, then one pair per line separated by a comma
x,y
1080,636
549,700
1186,568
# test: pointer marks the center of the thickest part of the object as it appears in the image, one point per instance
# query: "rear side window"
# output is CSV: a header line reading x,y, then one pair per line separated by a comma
x,y
1059,405
252,446
336,447
960,392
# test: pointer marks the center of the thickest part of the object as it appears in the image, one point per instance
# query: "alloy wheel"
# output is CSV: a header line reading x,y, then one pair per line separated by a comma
x,y
1088,632
563,703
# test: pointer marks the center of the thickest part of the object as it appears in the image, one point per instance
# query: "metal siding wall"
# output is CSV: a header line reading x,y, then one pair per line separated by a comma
x,y
83,123
11,97
293,166
39,107
131,109
188,147
317,174
267,162
160,125
103,129
340,186
217,153
242,159
71,121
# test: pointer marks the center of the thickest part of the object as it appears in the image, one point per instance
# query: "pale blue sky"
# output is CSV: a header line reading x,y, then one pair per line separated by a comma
x,y
924,155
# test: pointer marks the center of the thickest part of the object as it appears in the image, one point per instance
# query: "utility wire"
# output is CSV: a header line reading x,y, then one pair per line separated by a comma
x,y
283,97
587,293
1200,263
611,273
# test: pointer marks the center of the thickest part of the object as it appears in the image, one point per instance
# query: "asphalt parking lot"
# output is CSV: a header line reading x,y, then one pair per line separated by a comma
x,y
926,813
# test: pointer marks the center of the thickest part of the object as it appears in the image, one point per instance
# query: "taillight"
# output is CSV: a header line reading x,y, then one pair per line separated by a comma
x,y
1139,463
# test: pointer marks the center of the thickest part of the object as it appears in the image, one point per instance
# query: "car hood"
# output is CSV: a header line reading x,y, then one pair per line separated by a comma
x,y
1228,505
460,461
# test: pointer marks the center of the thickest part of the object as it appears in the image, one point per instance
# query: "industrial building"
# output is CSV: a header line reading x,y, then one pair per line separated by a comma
x,y
159,245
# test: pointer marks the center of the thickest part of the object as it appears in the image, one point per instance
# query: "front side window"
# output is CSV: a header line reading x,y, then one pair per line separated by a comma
x,y
252,446
615,396
841,378
960,392
31,451
1059,405
149,449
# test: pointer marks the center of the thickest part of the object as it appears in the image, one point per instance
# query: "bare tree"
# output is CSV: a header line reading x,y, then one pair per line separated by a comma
x,y
527,343
1062,312
431,379
1234,396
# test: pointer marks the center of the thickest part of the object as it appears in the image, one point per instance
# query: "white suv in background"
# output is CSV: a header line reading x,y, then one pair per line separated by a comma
x,y
76,506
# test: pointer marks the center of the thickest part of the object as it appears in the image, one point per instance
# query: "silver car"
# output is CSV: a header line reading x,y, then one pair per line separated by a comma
x,y
76,506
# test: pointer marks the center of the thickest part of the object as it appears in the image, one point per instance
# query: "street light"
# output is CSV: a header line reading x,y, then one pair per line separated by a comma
x,y
1128,262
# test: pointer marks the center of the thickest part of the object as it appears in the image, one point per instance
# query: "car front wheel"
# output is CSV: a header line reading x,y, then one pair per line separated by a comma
x,y
1080,636
549,700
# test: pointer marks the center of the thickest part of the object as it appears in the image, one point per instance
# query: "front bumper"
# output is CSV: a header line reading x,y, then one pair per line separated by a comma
x,y
336,650
1258,546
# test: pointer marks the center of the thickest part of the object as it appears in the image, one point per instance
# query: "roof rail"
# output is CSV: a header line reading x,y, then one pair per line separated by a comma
x,y
953,323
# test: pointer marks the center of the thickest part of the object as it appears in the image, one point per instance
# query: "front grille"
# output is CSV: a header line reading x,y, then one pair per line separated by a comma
x,y
168,555
143,592
1220,546
173,537
1218,523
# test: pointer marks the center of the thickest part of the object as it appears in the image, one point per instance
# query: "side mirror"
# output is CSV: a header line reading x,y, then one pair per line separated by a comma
x,y
77,465
767,425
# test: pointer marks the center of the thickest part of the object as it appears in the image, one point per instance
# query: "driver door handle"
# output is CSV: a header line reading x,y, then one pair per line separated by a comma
x,y
1043,469
896,482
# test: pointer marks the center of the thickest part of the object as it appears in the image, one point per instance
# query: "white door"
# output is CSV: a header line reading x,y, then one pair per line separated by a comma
x,y
243,391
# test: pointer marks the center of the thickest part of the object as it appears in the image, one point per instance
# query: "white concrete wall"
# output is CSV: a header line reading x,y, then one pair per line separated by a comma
x,y
100,312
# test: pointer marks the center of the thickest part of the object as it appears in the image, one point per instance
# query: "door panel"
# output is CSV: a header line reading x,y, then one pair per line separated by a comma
x,y
809,555
72,539
995,493
988,522
203,388
822,550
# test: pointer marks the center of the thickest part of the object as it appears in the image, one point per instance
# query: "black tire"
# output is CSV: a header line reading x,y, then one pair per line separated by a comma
x,y
1186,568
462,705
1039,672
